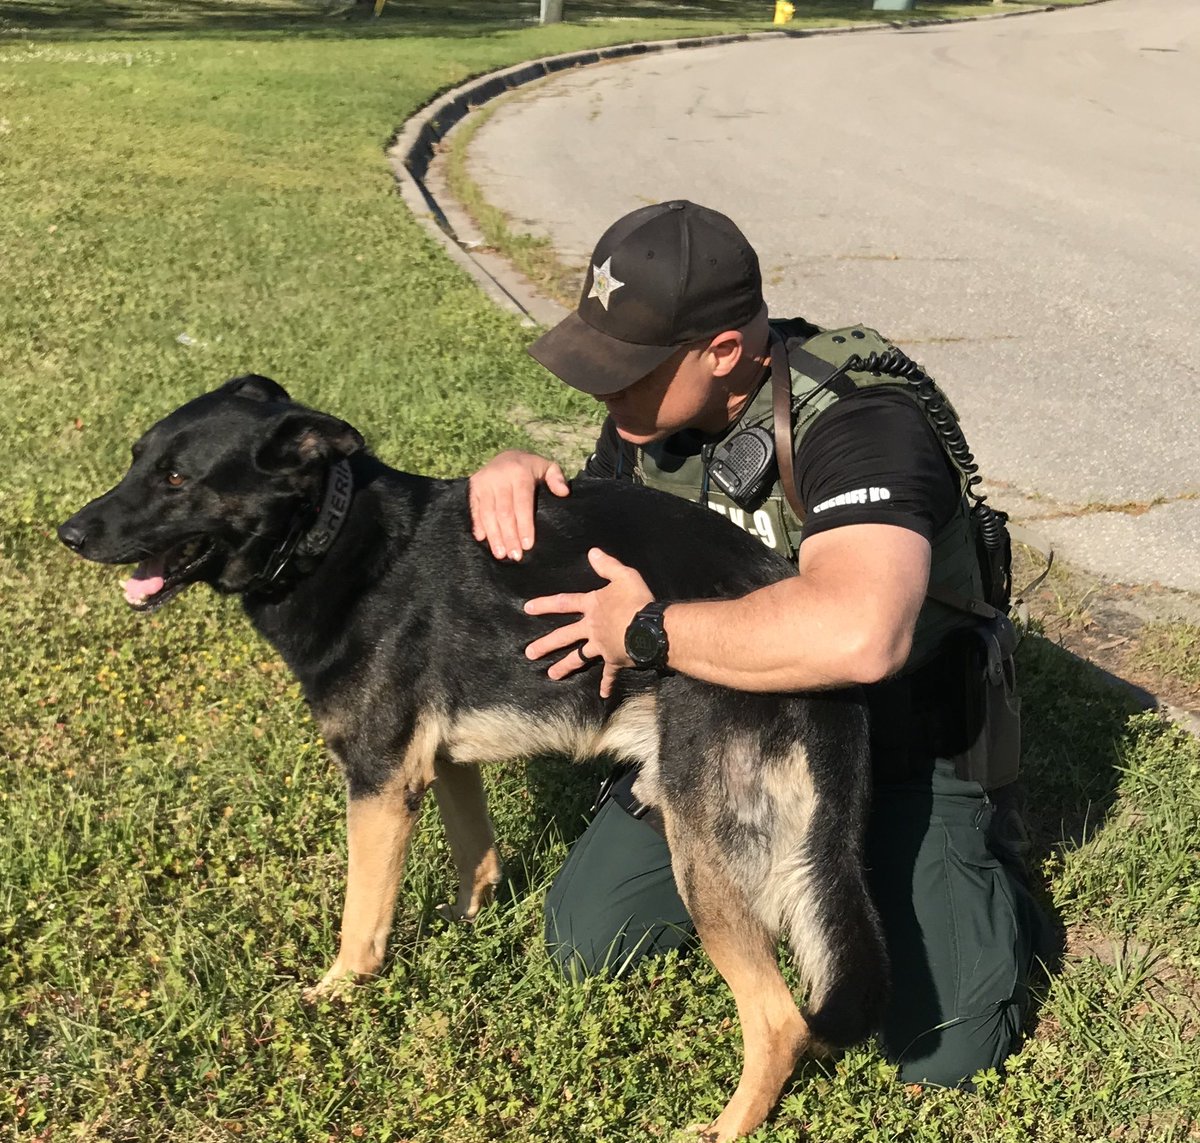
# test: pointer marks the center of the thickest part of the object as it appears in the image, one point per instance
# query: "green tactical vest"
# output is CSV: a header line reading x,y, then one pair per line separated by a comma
x,y
955,564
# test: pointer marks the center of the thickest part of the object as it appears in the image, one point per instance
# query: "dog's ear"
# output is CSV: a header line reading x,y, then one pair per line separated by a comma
x,y
305,436
255,388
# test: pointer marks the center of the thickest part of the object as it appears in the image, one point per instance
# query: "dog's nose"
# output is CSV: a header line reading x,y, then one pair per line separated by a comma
x,y
73,535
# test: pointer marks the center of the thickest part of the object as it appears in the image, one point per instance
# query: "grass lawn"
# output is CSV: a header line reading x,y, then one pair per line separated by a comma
x,y
193,190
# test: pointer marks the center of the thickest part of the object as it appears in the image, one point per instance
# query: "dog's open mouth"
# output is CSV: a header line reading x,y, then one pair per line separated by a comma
x,y
160,578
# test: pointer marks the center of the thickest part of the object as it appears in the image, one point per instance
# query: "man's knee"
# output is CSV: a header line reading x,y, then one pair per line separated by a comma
x,y
589,945
580,938
949,1057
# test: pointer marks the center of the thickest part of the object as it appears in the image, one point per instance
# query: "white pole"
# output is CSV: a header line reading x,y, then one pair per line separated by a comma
x,y
552,11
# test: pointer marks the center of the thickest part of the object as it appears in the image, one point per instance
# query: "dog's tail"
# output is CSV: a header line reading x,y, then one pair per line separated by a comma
x,y
836,939
815,891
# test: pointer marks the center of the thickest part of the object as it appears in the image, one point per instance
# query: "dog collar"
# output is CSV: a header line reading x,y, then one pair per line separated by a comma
x,y
339,490
317,539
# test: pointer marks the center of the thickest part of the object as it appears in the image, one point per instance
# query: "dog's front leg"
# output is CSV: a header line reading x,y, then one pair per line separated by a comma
x,y
378,829
463,805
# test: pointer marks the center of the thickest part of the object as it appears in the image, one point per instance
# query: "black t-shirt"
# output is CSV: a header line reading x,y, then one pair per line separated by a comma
x,y
871,458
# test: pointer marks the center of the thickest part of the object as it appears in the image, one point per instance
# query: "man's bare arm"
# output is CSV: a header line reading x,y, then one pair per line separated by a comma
x,y
847,618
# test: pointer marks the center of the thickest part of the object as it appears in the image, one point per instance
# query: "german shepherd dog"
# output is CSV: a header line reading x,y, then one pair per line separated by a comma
x,y
406,636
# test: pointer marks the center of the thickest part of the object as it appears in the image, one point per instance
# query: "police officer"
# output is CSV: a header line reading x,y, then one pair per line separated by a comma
x,y
672,335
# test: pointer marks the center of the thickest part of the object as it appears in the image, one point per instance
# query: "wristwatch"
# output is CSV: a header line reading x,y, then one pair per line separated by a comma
x,y
645,639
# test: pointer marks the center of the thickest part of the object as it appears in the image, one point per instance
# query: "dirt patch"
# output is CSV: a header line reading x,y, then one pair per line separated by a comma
x,y
1144,982
1113,625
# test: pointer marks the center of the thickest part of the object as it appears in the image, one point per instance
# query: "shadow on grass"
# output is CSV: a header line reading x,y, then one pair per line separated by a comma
x,y
1075,717
339,19
354,19
561,793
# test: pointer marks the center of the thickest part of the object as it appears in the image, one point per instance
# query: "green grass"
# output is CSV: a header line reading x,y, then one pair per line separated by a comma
x,y
171,849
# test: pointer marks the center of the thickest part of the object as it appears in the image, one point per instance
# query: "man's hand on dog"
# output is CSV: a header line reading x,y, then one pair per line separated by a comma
x,y
502,498
599,632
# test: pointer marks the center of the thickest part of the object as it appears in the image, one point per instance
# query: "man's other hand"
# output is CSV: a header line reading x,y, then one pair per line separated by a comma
x,y
599,632
502,497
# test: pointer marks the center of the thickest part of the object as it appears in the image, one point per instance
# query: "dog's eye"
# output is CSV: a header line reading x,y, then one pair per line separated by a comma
x,y
175,479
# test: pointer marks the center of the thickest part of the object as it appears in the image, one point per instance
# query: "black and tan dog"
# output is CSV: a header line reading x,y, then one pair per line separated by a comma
x,y
406,636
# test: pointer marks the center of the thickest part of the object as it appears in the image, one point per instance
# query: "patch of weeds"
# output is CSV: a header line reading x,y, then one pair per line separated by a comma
x,y
1171,649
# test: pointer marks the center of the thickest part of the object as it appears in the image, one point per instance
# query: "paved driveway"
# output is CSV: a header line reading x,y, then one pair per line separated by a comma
x,y
1016,202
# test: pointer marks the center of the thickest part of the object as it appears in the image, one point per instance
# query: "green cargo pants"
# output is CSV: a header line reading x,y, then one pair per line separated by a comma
x,y
962,930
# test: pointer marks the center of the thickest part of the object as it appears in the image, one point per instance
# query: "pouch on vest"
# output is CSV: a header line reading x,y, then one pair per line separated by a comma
x,y
993,753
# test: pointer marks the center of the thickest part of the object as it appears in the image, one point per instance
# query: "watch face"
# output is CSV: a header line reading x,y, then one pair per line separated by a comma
x,y
642,642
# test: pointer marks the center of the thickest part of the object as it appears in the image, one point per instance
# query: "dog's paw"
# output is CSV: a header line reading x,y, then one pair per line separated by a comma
x,y
473,898
322,991
335,984
716,1131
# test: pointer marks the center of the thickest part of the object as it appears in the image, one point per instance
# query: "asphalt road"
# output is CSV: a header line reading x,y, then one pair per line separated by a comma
x,y
1013,201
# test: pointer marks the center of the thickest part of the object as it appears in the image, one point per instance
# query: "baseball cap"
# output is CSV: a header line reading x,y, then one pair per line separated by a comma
x,y
659,278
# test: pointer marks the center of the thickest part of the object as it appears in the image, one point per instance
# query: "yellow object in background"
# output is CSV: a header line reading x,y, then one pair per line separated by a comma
x,y
379,8
784,11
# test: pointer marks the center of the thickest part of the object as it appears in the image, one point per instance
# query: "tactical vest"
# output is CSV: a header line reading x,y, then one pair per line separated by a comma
x,y
955,564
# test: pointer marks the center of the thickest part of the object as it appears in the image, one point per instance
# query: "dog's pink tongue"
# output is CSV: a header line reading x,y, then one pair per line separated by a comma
x,y
147,579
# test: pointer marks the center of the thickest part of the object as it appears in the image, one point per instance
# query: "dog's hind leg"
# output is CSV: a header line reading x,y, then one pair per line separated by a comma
x,y
774,1033
462,804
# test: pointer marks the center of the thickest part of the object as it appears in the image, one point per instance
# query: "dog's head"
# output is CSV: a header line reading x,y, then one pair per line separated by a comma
x,y
213,491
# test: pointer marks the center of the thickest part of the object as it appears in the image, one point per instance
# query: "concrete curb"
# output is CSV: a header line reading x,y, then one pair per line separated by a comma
x,y
412,148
